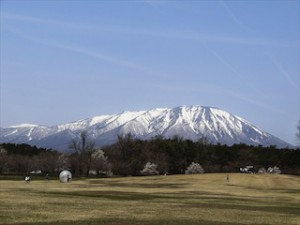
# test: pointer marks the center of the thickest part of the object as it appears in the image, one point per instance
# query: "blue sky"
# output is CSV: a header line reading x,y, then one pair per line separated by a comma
x,y
67,60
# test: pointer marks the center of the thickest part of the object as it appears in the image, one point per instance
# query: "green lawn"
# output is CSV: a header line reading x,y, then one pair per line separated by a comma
x,y
173,200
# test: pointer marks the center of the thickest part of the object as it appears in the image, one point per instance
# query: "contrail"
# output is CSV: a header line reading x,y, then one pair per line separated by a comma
x,y
228,65
239,96
180,35
283,72
91,53
235,19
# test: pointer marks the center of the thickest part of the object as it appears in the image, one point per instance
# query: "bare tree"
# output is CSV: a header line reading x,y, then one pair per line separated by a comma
x,y
84,149
298,131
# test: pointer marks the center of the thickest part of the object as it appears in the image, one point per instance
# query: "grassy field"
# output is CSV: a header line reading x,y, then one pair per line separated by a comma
x,y
173,200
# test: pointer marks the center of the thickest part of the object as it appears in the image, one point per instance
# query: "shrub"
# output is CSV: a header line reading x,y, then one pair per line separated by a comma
x,y
274,170
194,168
150,169
262,170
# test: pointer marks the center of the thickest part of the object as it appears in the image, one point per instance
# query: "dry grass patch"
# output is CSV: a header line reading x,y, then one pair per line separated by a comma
x,y
183,199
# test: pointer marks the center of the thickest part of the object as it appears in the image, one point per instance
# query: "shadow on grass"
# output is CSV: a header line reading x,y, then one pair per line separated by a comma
x,y
139,185
190,200
132,221
289,210
288,191
111,195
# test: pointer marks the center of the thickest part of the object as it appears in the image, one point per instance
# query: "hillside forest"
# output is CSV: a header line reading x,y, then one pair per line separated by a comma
x,y
130,157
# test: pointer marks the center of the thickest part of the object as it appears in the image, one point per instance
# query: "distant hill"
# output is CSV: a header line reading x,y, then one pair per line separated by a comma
x,y
188,122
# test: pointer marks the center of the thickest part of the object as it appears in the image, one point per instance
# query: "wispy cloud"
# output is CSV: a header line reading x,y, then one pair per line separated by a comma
x,y
30,19
233,70
223,61
234,18
12,16
283,72
156,6
239,94
91,53
246,98
257,103
181,35
209,89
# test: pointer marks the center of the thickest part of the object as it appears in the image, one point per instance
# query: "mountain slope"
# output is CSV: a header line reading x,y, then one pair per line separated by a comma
x,y
189,122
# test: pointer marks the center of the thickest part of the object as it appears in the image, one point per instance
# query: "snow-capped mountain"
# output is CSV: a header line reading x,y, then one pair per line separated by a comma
x,y
189,122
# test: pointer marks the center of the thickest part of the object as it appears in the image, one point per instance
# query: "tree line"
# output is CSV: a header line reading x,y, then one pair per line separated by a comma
x,y
133,157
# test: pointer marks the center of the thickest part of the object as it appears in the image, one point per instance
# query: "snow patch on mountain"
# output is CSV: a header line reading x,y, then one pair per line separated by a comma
x,y
26,125
188,122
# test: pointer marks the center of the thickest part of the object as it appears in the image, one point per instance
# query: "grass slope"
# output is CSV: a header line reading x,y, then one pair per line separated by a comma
x,y
158,200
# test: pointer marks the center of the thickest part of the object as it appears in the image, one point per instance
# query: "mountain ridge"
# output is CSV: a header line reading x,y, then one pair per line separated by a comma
x,y
189,122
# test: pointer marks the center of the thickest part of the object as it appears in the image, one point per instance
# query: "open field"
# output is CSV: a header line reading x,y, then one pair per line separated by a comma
x,y
158,200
